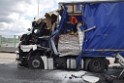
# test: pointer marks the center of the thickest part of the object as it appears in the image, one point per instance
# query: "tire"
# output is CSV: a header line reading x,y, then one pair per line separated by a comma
x,y
97,65
35,62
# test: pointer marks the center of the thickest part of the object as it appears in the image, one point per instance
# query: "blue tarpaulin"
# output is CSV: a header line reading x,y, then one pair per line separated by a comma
x,y
109,32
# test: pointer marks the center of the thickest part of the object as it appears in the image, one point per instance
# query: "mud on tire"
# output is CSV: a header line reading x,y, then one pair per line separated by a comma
x,y
97,65
35,62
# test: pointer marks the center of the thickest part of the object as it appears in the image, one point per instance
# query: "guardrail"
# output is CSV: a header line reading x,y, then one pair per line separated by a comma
x,y
8,43
9,40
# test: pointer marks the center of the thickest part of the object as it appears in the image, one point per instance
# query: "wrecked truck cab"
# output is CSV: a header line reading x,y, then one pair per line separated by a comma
x,y
88,50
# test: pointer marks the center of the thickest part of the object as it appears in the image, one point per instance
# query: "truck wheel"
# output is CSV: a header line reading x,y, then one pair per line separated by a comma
x,y
97,65
35,62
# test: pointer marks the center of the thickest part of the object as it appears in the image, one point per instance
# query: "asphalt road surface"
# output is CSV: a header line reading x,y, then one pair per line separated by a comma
x,y
11,73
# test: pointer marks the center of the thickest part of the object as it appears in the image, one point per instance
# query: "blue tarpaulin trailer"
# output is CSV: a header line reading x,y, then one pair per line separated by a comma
x,y
108,36
106,39
103,26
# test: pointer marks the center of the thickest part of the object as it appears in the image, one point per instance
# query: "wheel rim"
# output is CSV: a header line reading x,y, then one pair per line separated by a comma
x,y
35,63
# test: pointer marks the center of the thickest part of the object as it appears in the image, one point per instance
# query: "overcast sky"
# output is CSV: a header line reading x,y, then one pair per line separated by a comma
x,y
16,15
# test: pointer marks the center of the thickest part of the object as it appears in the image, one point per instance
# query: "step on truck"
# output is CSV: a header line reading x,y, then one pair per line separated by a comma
x,y
100,34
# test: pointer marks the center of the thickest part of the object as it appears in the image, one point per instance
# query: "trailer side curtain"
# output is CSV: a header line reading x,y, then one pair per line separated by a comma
x,y
109,21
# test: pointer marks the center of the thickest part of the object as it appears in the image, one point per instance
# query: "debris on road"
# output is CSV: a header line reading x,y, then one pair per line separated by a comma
x,y
84,77
91,79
